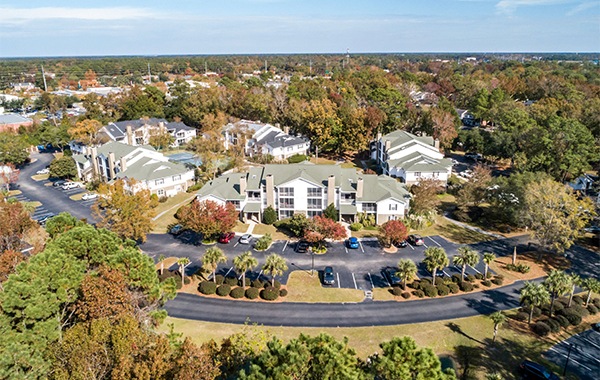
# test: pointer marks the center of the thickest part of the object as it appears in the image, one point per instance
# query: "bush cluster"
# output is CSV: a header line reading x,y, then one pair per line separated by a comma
x,y
237,293
252,293
406,295
521,316
207,287
537,312
541,328
470,278
466,286
175,275
596,302
223,290
479,276
592,309
487,283
418,293
562,321
430,290
219,279
283,292
263,243
454,288
572,315
276,284
258,284
443,290
356,227
553,324
519,267
231,281
396,291
497,280
269,293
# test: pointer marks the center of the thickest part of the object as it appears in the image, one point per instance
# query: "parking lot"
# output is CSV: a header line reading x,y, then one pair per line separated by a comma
x,y
584,358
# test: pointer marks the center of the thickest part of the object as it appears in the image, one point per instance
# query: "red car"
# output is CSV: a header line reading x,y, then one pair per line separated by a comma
x,y
226,237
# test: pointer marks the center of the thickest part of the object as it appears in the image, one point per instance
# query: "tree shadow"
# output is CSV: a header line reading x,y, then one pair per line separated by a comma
x,y
457,329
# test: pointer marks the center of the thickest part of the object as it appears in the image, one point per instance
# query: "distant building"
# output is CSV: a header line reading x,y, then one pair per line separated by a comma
x,y
264,138
138,132
10,122
409,157
151,169
308,189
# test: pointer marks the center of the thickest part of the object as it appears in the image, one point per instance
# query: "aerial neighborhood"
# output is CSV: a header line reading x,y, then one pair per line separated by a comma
x,y
427,216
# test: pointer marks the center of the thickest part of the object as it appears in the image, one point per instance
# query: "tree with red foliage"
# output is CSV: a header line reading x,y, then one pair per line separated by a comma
x,y
321,228
208,217
392,231
14,221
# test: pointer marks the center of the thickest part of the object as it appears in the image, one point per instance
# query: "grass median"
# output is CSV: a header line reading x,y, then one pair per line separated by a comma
x,y
302,287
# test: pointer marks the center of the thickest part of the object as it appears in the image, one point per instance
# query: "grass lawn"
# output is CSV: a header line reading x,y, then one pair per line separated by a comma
x,y
366,232
276,234
12,193
470,336
452,232
322,161
40,177
240,227
304,288
77,197
165,211
32,204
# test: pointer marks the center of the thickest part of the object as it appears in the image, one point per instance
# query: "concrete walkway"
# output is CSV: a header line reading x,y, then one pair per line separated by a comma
x,y
251,225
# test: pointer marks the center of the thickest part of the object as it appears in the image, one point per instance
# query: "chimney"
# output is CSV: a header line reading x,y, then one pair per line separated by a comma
x,y
270,190
95,168
129,135
359,188
286,130
378,136
243,185
331,190
111,165
123,164
388,145
436,143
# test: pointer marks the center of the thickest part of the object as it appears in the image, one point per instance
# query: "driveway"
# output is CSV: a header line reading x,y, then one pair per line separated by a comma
x,y
584,358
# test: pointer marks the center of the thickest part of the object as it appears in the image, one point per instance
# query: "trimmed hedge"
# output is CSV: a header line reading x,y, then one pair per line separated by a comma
x,y
596,302
276,284
283,292
258,284
592,309
572,315
521,316
578,300
541,328
486,283
554,325
406,295
219,279
519,267
424,282
418,293
439,281
252,293
269,293
537,312
454,288
207,287
497,280
356,227
223,290
231,281
237,293
456,278
416,284
470,278
562,321
479,276
443,290
396,291
466,286
430,290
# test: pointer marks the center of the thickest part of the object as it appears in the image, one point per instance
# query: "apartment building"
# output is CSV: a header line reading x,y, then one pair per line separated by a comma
x,y
138,132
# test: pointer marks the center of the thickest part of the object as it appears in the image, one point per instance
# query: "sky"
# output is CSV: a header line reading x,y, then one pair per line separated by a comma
x,y
30,28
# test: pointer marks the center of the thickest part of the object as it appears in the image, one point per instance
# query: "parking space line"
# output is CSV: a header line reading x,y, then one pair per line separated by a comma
x,y
285,246
346,248
475,269
584,354
228,272
571,358
590,342
361,247
425,245
411,247
371,280
354,278
338,278
430,238
236,244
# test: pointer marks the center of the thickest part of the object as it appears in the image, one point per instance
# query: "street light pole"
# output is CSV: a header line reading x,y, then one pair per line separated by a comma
x,y
567,361
312,266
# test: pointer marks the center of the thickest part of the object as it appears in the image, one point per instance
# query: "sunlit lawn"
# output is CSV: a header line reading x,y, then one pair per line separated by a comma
x,y
40,177
169,208
302,287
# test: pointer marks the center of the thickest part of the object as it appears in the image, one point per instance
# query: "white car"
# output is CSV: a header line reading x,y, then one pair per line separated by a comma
x,y
70,185
89,196
43,171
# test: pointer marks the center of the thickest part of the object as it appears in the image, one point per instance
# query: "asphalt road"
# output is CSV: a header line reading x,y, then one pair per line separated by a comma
x,y
584,358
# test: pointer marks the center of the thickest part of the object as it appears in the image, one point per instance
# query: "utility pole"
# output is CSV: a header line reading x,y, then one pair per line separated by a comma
x,y
149,75
44,77
265,65
310,67
205,68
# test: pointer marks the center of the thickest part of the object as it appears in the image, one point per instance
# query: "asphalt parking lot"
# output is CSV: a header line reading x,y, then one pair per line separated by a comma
x,y
584,359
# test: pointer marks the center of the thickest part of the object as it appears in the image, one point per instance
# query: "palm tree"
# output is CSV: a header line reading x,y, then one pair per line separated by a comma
x,y
406,270
466,256
591,285
435,258
558,283
498,318
488,258
534,295
575,280
161,260
183,263
211,259
243,263
274,265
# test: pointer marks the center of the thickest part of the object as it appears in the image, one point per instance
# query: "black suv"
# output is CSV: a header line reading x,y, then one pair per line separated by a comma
x,y
302,246
532,370
328,278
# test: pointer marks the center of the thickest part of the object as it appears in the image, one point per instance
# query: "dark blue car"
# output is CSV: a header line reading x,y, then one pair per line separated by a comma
x,y
353,243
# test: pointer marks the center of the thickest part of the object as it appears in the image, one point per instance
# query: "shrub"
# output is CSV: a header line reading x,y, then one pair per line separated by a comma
x,y
223,290
454,288
248,282
487,283
219,279
252,293
424,282
456,278
537,312
276,284
497,281
231,281
592,309
519,267
269,215
258,284
418,293
572,315
466,286
194,187
207,287
269,293
596,302
430,290
356,227
283,292
562,321
479,276
396,291
439,281
470,278
263,243
541,328
237,293
297,158
406,295
416,284
490,275
521,316
553,324
443,290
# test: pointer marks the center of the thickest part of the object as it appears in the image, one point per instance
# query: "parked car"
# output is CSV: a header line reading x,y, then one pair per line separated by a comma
x,y
473,156
89,196
415,240
353,243
69,185
176,229
328,278
45,218
43,171
401,244
302,246
59,183
226,237
596,326
390,274
533,370
245,239
592,229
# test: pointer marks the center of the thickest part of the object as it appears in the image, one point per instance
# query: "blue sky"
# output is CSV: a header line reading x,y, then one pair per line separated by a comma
x,y
151,27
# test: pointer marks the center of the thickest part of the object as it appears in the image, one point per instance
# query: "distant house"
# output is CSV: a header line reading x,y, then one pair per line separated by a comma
x,y
8,175
138,132
151,169
264,138
409,157
466,117
583,183
10,122
308,189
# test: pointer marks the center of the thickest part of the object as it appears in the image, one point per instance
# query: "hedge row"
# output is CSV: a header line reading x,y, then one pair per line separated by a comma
x,y
266,291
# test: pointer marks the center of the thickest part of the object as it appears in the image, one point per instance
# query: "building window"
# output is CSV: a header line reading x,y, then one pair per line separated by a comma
x,y
286,191
283,214
160,192
436,174
176,178
235,203
314,204
314,192
417,174
313,213
286,203
254,195
159,182
394,207
369,207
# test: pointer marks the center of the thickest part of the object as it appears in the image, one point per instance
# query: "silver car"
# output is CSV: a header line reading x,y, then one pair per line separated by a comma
x,y
245,239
